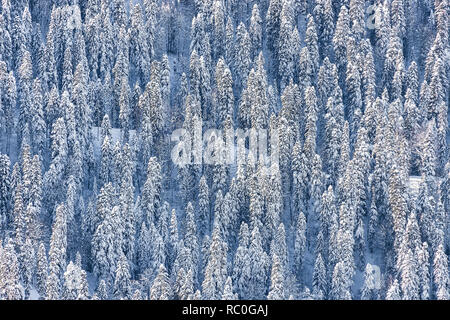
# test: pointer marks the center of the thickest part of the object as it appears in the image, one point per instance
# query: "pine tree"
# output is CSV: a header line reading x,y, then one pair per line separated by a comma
x,y
229,41
10,288
228,291
122,285
216,268
393,60
173,240
273,22
8,103
151,10
259,266
126,199
440,273
101,293
393,292
24,85
369,290
204,208
5,191
424,271
340,287
311,43
324,15
412,115
187,287
139,51
274,200
300,243
106,175
75,283
356,13
38,127
53,177
157,250
368,75
155,100
279,247
409,276
241,265
218,17
254,104
309,145
372,232
57,254
341,35
255,30
41,270
107,243
242,56
19,217
150,199
161,288
125,112
398,17
319,277
165,82
354,99
28,266
6,46
190,235
276,291
224,96
286,46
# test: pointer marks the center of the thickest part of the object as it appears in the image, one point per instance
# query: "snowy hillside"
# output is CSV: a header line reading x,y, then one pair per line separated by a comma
x,y
224,149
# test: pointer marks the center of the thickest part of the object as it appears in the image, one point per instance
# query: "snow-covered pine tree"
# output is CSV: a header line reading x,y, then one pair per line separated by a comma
x,y
75,283
319,277
228,291
57,254
122,282
440,273
216,268
255,31
10,287
341,34
41,270
224,96
139,51
242,56
277,290
161,288
394,292
5,187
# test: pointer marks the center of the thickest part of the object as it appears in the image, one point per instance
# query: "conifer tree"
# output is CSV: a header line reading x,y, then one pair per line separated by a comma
x,y
161,288
41,270
216,268
122,285
5,187
255,31
440,273
319,277
276,291
393,292
10,287
75,283
228,291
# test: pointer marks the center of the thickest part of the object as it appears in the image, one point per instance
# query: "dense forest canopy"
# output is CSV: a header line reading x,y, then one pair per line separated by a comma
x,y
224,149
